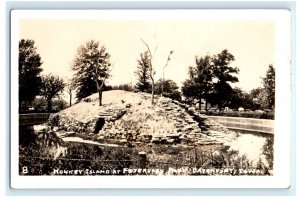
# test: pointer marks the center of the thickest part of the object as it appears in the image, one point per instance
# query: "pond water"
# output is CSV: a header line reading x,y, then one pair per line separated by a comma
x,y
251,145
247,143
40,127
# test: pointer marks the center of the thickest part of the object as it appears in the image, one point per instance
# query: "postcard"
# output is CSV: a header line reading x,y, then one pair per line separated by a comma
x,y
150,98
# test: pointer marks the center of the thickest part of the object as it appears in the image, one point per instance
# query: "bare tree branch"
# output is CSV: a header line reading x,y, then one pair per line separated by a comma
x,y
148,49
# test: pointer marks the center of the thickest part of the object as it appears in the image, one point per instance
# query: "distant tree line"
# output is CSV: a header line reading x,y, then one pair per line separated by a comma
x,y
209,81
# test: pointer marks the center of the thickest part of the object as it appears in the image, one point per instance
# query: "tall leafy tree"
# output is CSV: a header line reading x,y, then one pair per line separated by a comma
x,y
29,72
224,74
264,96
52,86
269,87
92,67
143,73
189,90
199,84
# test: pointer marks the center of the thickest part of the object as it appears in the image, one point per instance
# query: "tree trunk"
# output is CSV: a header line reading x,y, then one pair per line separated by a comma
x,y
162,85
205,96
99,89
100,97
25,106
152,94
49,105
199,103
70,99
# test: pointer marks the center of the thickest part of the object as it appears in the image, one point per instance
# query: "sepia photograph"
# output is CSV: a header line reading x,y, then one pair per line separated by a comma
x,y
146,93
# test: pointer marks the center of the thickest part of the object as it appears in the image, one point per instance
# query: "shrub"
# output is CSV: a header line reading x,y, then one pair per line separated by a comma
x,y
53,120
87,100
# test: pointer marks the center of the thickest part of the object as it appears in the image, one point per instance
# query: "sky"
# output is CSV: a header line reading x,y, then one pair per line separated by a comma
x,y
251,42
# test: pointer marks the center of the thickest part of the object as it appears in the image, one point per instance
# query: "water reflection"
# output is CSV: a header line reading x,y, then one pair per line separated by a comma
x,y
251,144
28,133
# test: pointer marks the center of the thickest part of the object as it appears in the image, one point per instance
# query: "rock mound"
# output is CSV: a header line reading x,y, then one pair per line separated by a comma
x,y
129,118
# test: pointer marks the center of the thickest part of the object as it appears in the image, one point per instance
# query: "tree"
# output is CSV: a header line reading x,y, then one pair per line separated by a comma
x,y
70,87
170,89
199,83
222,71
143,73
163,79
189,90
60,104
257,96
151,68
29,72
241,98
269,87
39,103
125,87
52,86
264,96
92,66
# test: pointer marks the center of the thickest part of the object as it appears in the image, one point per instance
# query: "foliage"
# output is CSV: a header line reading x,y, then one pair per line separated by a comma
x,y
269,87
199,84
125,87
242,99
52,86
60,104
40,104
257,97
188,90
264,97
29,72
268,92
210,79
92,67
268,151
107,87
54,120
170,89
223,73
48,138
143,73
